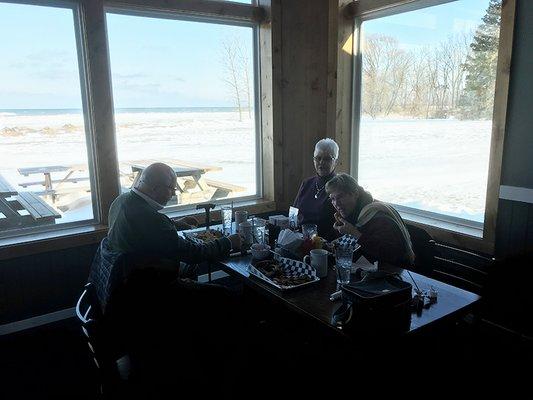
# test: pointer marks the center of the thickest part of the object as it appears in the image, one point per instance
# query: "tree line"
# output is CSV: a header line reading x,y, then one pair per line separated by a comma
x,y
455,78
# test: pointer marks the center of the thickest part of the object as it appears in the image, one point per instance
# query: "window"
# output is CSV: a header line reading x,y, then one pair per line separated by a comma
x,y
427,90
184,94
44,174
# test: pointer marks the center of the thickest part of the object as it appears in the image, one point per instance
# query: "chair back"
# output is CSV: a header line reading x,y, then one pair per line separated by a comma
x,y
107,272
461,268
101,350
423,247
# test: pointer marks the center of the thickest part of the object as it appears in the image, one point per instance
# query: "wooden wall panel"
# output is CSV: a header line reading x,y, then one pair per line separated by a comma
x,y
304,89
43,283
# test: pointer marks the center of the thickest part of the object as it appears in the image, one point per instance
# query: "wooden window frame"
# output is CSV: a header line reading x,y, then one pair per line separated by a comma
x,y
93,54
348,86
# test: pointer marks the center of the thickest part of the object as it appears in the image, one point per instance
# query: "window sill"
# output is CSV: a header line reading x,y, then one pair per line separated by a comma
x,y
20,246
42,242
256,206
456,234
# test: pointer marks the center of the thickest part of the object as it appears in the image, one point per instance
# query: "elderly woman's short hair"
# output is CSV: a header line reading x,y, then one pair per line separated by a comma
x,y
342,183
329,146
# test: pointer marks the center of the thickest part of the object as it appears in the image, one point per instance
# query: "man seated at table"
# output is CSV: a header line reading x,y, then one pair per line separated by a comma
x,y
149,308
136,225
379,228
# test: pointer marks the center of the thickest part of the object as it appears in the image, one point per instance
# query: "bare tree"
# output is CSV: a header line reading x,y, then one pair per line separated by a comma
x,y
237,73
231,72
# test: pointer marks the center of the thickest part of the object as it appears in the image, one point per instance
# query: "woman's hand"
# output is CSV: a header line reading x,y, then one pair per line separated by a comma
x,y
344,227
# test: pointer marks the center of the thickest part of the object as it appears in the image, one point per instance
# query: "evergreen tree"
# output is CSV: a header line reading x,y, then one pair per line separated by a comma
x,y
480,66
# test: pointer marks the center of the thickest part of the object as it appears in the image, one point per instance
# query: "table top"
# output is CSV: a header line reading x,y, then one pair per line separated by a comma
x,y
6,190
313,300
182,168
46,169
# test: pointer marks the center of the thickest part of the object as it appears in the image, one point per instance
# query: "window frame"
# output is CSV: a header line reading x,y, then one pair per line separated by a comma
x,y
177,15
457,231
75,7
93,59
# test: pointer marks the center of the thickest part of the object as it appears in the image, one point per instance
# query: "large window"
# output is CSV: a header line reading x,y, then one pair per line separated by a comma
x,y
427,97
44,174
184,94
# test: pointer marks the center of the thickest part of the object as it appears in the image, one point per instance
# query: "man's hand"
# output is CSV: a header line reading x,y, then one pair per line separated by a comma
x,y
344,227
235,240
186,223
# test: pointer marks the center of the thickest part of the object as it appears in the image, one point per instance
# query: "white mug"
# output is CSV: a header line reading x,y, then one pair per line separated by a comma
x,y
319,261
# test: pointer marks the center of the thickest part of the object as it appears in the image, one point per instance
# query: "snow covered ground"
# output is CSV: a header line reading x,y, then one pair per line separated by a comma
x,y
436,165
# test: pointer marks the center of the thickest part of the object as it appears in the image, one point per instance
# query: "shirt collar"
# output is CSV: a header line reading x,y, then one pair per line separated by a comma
x,y
151,202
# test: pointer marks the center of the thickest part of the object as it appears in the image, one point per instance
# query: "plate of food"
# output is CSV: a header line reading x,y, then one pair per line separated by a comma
x,y
284,273
202,237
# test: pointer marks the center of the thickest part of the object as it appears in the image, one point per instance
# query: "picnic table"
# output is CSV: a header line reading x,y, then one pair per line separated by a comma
x,y
48,181
23,209
182,169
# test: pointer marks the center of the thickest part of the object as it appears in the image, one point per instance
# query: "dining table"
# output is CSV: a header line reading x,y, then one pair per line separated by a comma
x,y
313,300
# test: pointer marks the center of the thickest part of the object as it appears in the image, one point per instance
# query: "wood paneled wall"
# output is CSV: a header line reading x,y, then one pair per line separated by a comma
x,y
514,232
43,283
304,81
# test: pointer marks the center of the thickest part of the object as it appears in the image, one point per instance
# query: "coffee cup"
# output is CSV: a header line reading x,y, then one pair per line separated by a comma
x,y
318,259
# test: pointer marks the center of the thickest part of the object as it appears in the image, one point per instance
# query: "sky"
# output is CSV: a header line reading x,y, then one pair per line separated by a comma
x,y
162,62
431,25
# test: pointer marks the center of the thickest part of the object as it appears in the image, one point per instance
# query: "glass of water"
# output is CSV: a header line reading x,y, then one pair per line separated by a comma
x,y
343,261
309,231
259,230
227,217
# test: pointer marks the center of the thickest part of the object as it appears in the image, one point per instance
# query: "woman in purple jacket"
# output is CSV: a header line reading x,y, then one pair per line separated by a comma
x,y
312,200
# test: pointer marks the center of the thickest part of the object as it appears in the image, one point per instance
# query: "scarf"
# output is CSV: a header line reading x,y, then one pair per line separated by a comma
x,y
370,210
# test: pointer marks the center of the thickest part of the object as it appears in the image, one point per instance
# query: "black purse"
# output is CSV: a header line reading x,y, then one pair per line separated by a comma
x,y
378,302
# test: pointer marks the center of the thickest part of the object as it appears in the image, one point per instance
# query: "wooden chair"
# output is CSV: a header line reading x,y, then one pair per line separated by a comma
x,y
423,247
461,268
113,368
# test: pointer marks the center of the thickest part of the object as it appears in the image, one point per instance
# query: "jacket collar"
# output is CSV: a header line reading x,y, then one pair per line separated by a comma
x,y
151,202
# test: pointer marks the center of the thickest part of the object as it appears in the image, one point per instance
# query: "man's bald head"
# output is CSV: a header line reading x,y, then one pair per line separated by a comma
x,y
158,181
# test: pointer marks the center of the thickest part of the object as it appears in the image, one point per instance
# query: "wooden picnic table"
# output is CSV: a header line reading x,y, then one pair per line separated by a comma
x,y
181,168
47,172
6,190
23,209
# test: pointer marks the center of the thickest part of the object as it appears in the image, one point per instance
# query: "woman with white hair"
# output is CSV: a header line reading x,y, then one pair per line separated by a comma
x,y
312,199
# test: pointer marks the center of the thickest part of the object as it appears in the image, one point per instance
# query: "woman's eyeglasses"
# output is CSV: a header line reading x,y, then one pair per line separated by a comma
x,y
326,159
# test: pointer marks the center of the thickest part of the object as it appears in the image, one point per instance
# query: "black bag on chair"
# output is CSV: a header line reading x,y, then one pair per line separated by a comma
x,y
378,302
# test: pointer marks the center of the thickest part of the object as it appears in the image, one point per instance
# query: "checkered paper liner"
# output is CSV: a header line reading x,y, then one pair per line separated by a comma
x,y
291,268
347,240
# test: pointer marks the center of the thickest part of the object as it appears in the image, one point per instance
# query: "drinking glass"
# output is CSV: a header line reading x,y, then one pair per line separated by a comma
x,y
259,230
240,216
309,231
226,214
343,261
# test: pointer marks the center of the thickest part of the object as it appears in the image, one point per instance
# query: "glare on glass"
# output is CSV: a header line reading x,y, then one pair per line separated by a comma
x,y
226,216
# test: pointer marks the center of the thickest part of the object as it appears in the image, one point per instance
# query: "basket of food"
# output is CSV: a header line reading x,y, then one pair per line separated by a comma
x,y
203,237
284,273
